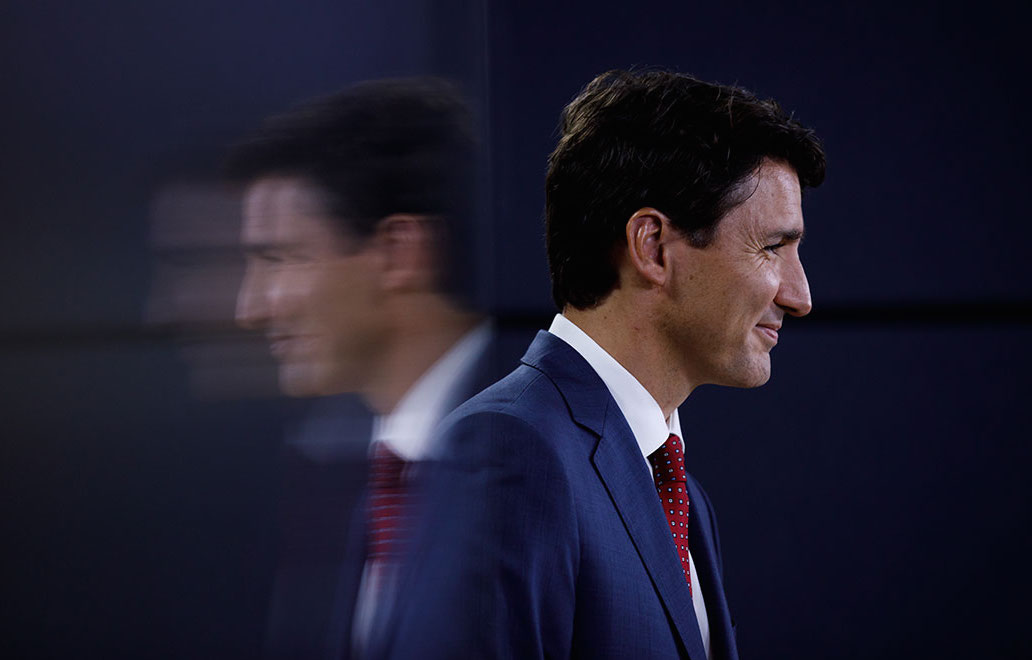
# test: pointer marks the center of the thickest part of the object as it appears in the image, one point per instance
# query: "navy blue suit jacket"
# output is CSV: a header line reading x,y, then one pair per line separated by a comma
x,y
548,537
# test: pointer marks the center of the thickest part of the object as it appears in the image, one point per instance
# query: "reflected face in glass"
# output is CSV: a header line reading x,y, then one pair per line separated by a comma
x,y
730,298
312,288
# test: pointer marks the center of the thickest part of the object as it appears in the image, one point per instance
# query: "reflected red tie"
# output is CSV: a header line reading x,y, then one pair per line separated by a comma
x,y
672,485
387,504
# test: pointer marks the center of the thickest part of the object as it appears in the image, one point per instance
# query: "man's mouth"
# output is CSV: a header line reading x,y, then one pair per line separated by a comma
x,y
770,330
281,345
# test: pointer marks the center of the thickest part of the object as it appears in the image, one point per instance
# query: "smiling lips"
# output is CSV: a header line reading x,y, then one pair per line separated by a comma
x,y
280,345
770,330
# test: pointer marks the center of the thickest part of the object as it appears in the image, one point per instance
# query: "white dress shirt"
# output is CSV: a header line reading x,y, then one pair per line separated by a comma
x,y
408,429
643,415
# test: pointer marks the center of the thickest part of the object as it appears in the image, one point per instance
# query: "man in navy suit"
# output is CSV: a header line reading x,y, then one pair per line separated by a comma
x,y
571,528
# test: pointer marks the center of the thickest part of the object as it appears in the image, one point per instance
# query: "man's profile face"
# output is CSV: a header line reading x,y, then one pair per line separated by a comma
x,y
730,297
312,289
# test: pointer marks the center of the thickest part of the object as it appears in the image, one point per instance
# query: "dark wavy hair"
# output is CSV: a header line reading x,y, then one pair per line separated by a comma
x,y
666,140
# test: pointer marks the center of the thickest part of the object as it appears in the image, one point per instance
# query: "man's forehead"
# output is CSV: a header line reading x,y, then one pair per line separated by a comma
x,y
284,195
282,210
773,208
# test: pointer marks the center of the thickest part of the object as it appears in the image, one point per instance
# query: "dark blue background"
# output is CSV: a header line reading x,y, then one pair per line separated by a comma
x,y
874,497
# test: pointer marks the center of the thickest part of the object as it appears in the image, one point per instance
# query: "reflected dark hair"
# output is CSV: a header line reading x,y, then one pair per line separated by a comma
x,y
374,149
666,140
377,148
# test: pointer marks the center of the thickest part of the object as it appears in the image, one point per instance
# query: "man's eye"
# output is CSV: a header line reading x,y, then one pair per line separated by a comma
x,y
774,248
283,258
271,258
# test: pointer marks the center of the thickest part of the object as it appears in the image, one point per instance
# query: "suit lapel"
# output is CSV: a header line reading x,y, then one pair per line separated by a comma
x,y
619,463
704,552
339,642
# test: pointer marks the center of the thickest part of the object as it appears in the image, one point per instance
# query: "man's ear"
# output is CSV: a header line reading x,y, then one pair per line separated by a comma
x,y
407,243
647,232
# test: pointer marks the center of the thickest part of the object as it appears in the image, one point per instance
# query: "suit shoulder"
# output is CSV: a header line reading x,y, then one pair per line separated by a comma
x,y
516,417
526,394
520,384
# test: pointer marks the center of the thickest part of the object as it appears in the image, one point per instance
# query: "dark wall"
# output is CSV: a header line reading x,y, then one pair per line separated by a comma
x,y
873,498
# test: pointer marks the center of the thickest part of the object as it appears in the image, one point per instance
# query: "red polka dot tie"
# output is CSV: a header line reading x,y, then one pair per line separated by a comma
x,y
672,485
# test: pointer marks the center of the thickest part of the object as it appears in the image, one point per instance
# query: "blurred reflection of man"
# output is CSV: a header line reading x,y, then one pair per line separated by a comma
x,y
355,210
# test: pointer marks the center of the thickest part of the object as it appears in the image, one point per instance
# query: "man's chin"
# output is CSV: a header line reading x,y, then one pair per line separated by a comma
x,y
295,389
311,379
749,375
299,381
761,379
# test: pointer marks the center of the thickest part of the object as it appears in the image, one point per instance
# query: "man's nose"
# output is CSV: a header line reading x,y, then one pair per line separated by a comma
x,y
794,294
252,306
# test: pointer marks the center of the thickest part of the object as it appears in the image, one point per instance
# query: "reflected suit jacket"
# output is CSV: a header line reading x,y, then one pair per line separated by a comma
x,y
547,536
336,642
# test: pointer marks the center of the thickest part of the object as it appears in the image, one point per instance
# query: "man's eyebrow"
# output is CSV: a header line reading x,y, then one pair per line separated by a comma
x,y
259,249
787,236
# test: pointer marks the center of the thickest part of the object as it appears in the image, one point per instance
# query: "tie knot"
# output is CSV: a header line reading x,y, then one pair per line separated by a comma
x,y
668,462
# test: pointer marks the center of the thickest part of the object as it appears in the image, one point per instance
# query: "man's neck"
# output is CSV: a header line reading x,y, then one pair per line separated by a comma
x,y
424,334
633,342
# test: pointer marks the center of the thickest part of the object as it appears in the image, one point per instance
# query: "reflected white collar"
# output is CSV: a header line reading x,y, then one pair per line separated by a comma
x,y
408,429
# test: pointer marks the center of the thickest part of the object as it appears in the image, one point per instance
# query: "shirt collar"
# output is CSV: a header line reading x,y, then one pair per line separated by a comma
x,y
641,411
407,430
